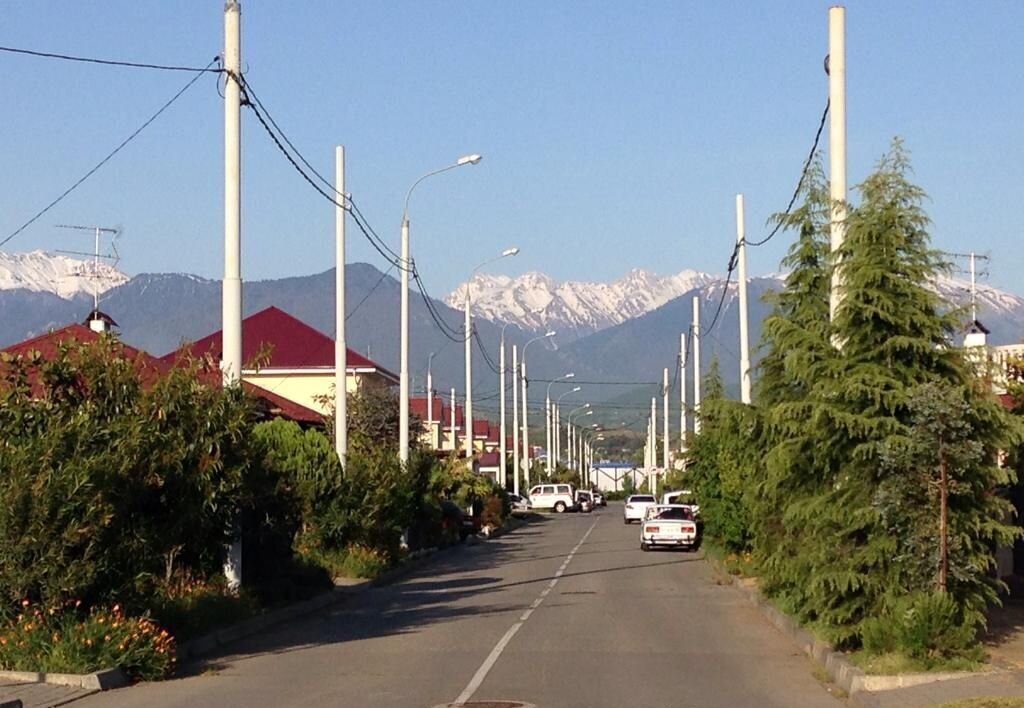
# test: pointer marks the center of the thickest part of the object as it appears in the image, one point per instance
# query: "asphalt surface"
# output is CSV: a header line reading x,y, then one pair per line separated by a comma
x,y
564,613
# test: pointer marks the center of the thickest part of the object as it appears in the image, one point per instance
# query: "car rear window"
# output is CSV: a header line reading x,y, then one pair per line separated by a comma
x,y
641,498
682,514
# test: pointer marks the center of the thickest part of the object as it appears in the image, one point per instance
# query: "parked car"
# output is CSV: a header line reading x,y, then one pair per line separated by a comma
x,y
520,504
559,497
636,507
456,521
599,499
584,502
681,496
671,525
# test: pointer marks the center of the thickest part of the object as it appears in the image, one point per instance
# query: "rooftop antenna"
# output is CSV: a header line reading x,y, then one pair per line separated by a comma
x,y
972,270
114,257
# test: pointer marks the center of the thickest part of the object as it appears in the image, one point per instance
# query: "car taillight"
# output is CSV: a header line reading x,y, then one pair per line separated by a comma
x,y
689,528
651,529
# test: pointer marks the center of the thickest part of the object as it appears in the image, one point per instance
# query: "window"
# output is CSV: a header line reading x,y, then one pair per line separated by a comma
x,y
547,490
563,489
535,490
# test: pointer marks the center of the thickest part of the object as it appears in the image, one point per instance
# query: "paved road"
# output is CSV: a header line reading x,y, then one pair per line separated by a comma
x,y
565,613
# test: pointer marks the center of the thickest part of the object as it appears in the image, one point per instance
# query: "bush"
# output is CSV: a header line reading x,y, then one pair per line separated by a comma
x,y
107,486
926,626
190,608
64,640
496,510
352,561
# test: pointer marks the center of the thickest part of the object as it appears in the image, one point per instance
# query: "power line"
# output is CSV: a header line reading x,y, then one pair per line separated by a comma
x,y
369,293
113,62
109,156
800,183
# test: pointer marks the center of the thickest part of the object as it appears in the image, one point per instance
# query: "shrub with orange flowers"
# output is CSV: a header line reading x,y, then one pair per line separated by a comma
x,y
66,640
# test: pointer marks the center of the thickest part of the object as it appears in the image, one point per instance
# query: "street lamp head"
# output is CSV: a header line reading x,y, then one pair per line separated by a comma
x,y
587,405
576,388
570,375
550,333
510,252
469,159
589,413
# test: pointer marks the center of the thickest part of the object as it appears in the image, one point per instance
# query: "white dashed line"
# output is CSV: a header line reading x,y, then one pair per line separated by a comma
x,y
492,658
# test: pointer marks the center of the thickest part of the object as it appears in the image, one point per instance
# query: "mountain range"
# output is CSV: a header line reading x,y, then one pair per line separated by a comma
x,y
616,337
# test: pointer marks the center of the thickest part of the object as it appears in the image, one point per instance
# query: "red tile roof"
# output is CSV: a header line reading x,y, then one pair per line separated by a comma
x,y
150,368
293,344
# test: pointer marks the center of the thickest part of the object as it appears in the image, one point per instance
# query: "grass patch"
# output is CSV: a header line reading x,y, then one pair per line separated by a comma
x,y
986,703
353,561
892,663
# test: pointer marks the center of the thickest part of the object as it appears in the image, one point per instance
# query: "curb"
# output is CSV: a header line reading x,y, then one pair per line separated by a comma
x,y
96,681
344,587
842,671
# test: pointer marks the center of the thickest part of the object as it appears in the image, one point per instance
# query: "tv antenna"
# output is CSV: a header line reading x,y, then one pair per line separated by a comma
x,y
113,257
972,258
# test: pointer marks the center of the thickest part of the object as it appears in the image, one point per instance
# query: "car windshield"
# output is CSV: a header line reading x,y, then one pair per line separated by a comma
x,y
641,498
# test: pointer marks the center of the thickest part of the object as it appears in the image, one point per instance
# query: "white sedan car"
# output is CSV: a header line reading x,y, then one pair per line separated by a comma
x,y
636,507
671,525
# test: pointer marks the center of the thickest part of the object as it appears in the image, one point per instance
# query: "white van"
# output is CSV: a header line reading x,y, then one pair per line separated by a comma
x,y
681,496
560,497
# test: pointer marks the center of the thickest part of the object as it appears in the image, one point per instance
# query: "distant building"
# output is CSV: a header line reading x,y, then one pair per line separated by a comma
x,y
610,475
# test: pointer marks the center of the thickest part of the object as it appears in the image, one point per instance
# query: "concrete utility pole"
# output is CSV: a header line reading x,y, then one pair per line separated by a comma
x,y
696,365
468,328
455,430
526,425
664,416
741,245
430,393
837,142
515,419
682,392
502,446
340,346
231,303
654,443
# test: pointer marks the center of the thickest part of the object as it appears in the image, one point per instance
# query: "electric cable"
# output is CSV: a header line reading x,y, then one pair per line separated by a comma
x,y
369,292
113,62
800,183
109,156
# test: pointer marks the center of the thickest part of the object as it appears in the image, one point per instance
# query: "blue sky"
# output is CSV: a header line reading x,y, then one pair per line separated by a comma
x,y
614,134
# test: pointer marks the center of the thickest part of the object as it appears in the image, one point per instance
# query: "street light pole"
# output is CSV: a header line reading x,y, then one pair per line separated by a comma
x,y
558,422
549,418
526,423
468,328
502,446
405,266
340,345
515,419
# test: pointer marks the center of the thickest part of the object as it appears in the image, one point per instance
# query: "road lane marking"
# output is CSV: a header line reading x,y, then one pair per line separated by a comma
x,y
492,658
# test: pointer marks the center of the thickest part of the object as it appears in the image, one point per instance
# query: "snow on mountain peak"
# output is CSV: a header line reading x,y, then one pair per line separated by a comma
x,y
56,273
535,300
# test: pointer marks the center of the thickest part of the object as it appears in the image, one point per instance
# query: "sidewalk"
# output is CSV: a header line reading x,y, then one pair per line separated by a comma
x,y
1005,645
40,695
1009,683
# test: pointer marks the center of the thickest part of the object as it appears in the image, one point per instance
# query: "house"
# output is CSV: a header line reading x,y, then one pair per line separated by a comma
x,y
149,368
294,361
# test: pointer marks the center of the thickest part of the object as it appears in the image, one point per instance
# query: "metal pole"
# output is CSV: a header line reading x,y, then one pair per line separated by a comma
x,y
974,290
403,365
682,392
515,420
469,381
558,433
696,364
340,346
744,332
837,142
502,446
231,304
664,422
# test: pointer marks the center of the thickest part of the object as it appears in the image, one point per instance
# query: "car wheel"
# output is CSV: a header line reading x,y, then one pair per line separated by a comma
x,y
560,507
644,546
625,520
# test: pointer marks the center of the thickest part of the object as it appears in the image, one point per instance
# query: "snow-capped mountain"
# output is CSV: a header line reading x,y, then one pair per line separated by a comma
x,y
61,275
535,301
